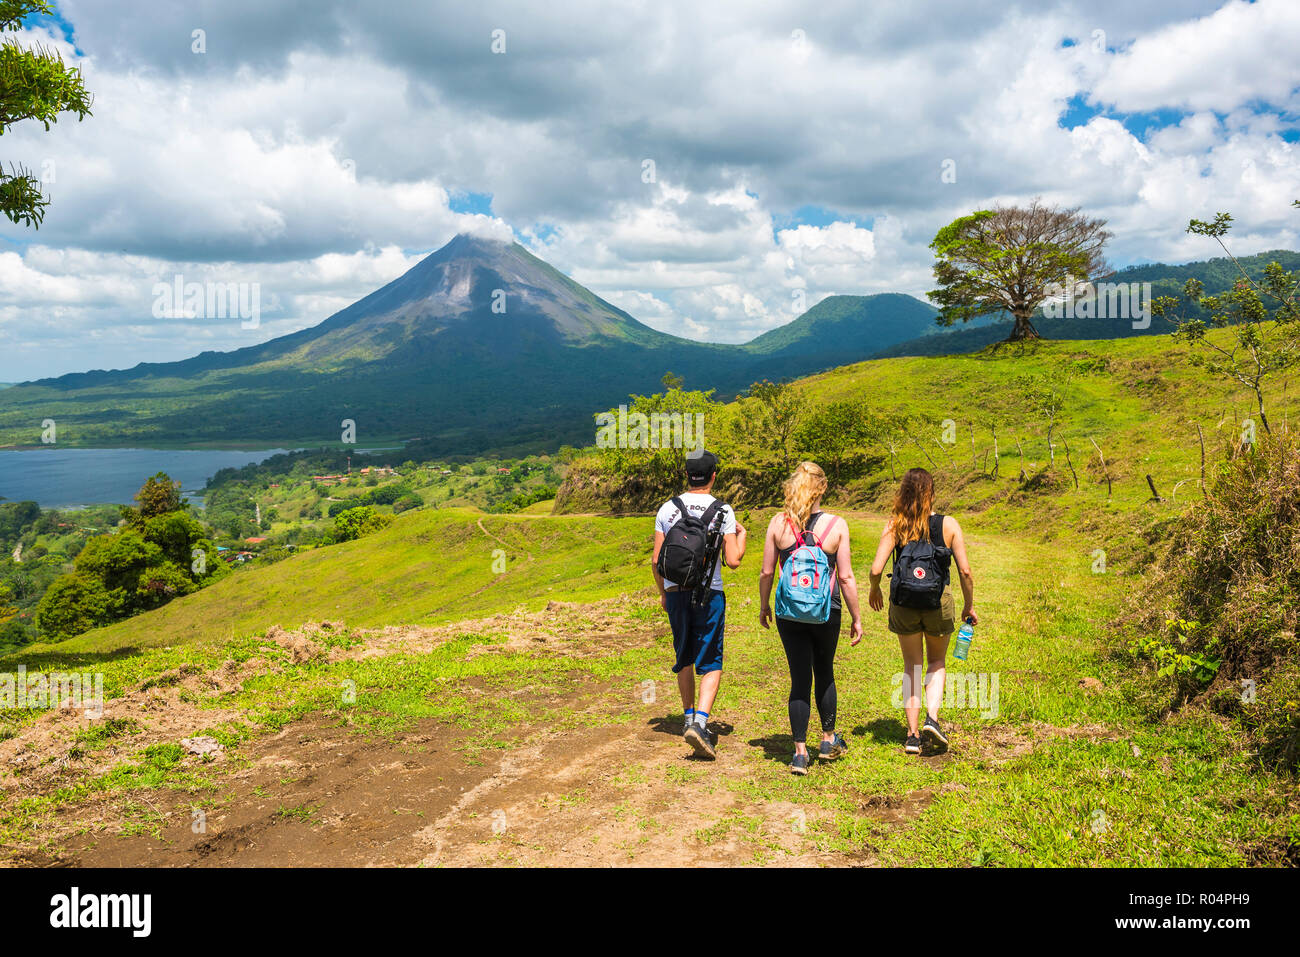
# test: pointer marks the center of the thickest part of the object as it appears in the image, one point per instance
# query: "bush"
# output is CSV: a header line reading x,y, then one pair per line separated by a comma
x,y
355,522
73,604
386,495
1220,617
523,499
407,502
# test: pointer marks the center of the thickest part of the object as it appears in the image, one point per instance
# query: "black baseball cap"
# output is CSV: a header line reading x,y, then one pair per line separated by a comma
x,y
701,464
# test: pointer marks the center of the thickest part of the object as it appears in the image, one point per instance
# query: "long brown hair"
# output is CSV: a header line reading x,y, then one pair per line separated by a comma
x,y
912,505
802,489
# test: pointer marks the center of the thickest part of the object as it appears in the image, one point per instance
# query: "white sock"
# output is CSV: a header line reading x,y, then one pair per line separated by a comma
x,y
702,718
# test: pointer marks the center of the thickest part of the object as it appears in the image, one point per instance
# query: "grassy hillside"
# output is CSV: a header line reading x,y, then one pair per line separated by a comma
x,y
1068,760
429,567
1138,399
525,675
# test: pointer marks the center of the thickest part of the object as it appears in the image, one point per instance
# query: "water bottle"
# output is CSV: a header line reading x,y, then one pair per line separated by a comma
x,y
964,636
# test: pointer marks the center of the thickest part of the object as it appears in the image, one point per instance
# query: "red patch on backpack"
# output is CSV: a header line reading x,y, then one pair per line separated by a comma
x,y
918,572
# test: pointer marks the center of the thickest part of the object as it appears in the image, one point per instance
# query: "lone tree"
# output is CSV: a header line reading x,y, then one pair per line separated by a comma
x,y
1009,257
34,85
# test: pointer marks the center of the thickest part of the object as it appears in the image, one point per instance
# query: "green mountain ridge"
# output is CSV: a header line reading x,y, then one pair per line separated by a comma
x,y
890,316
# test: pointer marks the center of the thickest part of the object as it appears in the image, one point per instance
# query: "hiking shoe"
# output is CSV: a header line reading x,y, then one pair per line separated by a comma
x,y
912,745
704,741
800,764
935,733
834,748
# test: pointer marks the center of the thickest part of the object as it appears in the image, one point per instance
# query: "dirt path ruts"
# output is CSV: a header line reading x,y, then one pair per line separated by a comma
x,y
496,538
627,794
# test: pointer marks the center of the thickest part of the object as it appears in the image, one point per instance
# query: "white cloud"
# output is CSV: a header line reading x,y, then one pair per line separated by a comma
x,y
319,153
1239,53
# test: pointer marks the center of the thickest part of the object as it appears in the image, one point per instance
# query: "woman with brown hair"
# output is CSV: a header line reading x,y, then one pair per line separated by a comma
x,y
923,632
810,644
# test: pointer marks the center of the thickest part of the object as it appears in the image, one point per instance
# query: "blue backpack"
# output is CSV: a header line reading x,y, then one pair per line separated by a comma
x,y
805,584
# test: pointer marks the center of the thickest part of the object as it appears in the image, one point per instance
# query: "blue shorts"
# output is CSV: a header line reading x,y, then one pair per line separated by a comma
x,y
697,630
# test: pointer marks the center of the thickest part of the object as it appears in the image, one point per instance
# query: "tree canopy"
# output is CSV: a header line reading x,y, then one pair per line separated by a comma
x,y
35,84
161,552
1263,316
1004,260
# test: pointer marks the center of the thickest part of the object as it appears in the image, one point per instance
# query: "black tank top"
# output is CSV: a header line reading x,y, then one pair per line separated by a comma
x,y
807,539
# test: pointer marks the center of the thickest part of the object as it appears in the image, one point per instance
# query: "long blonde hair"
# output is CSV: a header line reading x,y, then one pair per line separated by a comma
x,y
911,518
802,490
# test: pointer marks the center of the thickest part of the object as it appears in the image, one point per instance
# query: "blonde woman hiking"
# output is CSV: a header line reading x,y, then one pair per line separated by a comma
x,y
923,545
816,579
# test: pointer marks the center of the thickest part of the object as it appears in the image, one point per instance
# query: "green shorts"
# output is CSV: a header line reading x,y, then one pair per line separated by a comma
x,y
931,621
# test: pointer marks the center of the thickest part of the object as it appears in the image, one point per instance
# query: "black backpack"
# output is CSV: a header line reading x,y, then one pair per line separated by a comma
x,y
684,555
921,570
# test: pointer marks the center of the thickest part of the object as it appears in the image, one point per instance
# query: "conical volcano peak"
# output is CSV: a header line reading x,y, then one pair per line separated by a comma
x,y
473,244
485,281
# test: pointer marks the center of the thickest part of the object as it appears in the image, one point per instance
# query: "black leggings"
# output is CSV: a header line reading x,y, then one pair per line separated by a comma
x,y
810,652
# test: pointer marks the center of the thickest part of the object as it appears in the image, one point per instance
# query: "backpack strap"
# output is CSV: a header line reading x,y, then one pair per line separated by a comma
x,y
679,505
799,536
707,521
936,538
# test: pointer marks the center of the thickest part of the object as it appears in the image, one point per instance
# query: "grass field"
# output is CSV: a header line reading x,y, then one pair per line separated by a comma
x,y
1140,400
1055,773
467,688
430,567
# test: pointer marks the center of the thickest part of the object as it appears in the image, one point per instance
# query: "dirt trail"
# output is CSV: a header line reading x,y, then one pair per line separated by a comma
x,y
622,789
500,540
624,794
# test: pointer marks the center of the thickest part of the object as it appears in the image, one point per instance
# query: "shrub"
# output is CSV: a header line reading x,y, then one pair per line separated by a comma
x,y
407,502
356,522
72,605
1220,616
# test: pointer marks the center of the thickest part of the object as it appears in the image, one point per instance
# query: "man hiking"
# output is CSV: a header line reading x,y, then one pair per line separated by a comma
x,y
694,534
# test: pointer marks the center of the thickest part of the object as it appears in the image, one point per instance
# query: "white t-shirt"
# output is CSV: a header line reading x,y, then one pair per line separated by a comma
x,y
696,503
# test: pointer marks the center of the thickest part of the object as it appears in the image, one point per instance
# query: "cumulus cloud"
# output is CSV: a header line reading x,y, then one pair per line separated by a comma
x,y
320,152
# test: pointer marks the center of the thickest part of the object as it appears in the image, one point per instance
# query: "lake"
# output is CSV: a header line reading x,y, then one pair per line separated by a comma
x,y
56,478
